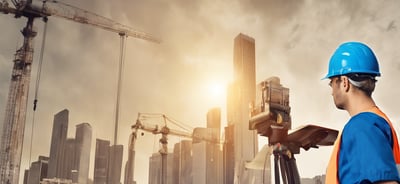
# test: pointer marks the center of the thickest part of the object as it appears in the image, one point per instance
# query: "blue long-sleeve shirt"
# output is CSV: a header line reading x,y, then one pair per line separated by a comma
x,y
366,154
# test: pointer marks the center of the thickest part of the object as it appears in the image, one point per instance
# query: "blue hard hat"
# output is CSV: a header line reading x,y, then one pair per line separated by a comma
x,y
353,57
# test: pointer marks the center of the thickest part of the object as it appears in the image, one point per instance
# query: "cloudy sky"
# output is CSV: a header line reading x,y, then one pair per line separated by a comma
x,y
294,41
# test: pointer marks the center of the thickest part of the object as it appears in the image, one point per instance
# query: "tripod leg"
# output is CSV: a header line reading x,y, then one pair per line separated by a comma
x,y
294,170
284,169
276,167
290,166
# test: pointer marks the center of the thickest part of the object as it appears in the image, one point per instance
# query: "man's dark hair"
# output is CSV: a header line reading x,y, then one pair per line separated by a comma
x,y
364,82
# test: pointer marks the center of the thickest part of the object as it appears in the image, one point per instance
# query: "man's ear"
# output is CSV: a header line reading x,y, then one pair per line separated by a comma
x,y
346,83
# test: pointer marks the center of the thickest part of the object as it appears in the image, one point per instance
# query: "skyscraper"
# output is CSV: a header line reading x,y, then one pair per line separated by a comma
x,y
83,138
115,164
214,118
58,139
69,158
108,162
38,170
229,156
240,94
182,163
101,161
155,169
130,163
207,168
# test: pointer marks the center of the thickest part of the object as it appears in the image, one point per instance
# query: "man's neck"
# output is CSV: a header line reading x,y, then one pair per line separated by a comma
x,y
360,103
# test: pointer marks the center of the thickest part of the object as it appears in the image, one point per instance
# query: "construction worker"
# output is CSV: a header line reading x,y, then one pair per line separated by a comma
x,y
367,149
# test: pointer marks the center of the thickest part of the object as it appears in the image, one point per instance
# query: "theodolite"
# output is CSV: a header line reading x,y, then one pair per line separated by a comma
x,y
270,117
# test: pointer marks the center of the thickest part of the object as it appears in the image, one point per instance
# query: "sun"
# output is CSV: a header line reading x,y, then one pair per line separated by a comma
x,y
216,90
216,93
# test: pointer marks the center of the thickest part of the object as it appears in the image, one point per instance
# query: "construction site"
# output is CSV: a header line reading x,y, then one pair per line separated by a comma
x,y
205,155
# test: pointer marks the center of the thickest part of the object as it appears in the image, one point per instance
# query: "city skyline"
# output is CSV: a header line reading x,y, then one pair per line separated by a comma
x,y
213,162
294,40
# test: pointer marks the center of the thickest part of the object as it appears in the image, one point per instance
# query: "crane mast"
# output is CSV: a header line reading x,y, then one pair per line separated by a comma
x,y
14,119
15,114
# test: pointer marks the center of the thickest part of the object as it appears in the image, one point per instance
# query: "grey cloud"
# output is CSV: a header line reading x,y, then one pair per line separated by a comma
x,y
294,40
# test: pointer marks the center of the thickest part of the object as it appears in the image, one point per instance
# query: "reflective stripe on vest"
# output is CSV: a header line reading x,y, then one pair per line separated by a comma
x,y
332,170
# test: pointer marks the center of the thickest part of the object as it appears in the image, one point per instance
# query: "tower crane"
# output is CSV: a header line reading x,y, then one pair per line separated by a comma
x,y
164,131
15,113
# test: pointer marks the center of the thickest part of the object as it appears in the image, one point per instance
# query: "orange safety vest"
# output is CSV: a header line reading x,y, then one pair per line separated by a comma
x,y
332,170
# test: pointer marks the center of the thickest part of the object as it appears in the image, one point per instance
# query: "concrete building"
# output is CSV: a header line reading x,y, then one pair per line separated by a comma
x,y
83,139
229,155
182,168
155,168
130,163
214,119
58,139
56,181
37,171
207,157
101,161
26,175
315,180
199,170
69,159
240,94
108,163
115,164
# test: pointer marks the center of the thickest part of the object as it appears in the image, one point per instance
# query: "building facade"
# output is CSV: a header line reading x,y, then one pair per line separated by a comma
x,y
37,171
155,169
182,168
83,140
115,164
240,94
58,139
207,157
101,161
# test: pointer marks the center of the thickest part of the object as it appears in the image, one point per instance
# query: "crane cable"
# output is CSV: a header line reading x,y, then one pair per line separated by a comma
x,y
120,74
39,71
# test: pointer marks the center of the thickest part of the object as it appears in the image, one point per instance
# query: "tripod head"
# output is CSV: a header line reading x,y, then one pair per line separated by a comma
x,y
270,115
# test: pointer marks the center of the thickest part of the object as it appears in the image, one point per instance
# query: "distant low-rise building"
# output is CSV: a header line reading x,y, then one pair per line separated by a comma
x,y
316,180
56,181
37,171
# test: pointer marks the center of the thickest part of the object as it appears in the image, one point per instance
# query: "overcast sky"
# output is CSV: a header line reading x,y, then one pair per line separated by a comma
x,y
294,41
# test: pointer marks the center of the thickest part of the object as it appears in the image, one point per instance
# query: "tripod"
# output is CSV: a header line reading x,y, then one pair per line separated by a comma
x,y
284,159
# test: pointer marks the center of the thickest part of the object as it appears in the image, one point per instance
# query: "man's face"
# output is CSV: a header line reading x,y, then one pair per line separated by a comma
x,y
337,91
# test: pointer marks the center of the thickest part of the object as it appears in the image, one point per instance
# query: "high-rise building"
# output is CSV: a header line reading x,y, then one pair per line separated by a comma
x,y
83,139
155,168
240,94
213,152
115,164
228,155
58,139
199,170
207,168
214,118
101,161
130,163
108,163
69,158
38,171
182,168
26,175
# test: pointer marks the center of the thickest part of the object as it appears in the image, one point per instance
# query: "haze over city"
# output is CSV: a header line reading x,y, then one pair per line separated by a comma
x,y
294,40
